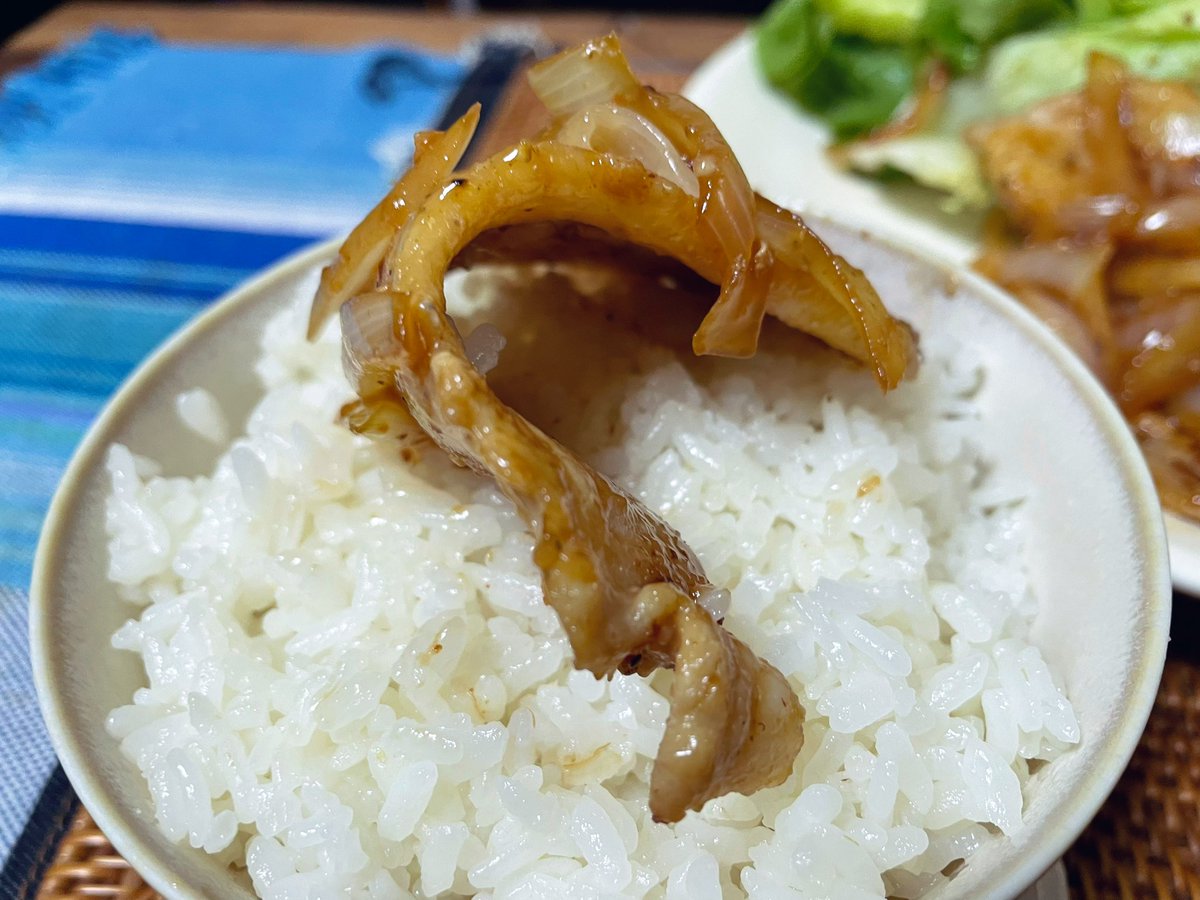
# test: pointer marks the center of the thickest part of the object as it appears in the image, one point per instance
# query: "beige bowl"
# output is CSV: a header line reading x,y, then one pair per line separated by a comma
x,y
1097,555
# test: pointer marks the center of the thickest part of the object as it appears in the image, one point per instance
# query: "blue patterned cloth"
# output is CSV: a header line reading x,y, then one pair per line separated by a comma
x,y
296,141
138,182
84,302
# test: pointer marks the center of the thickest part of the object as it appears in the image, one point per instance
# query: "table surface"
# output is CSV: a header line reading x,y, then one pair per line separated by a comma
x,y
1146,841
674,44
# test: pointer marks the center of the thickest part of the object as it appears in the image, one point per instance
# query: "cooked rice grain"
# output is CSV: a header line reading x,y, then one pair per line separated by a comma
x,y
353,685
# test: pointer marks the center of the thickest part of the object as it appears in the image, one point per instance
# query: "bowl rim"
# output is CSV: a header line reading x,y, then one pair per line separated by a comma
x,y
105,806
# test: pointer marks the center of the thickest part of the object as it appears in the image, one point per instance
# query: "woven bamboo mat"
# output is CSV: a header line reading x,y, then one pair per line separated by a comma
x,y
1144,844
86,865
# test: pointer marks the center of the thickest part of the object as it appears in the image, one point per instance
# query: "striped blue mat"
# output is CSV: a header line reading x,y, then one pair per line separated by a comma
x,y
83,303
138,182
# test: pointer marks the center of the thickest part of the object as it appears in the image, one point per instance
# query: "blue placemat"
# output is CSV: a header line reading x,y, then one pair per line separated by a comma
x,y
139,181
83,301
295,141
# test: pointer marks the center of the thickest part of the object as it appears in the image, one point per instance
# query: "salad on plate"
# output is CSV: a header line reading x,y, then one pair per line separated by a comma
x,y
1074,126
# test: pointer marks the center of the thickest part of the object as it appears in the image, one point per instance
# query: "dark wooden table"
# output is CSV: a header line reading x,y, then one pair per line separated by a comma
x,y
672,44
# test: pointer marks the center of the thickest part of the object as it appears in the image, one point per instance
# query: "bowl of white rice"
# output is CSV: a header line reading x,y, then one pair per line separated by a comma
x,y
279,659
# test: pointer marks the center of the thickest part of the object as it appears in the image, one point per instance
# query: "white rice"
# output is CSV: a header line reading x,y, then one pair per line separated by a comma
x,y
354,687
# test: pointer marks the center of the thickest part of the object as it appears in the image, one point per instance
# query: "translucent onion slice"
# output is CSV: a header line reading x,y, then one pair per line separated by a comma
x,y
1102,217
1144,330
726,198
1165,129
1166,366
1075,274
1173,453
367,333
369,350
435,155
728,211
820,293
593,73
1172,224
1148,274
1060,267
619,131
1106,109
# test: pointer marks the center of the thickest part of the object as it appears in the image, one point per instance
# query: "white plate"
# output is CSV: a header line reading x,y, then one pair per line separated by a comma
x,y
783,153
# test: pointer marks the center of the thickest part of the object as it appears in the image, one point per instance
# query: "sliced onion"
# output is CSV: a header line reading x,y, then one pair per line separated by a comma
x,y
1171,224
1074,274
1153,275
1165,367
1105,135
1184,412
618,130
1104,215
1172,456
435,156
1181,135
833,298
583,76
727,206
1060,267
368,334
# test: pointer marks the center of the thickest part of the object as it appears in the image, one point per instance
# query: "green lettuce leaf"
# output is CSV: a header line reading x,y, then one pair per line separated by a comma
x,y
881,21
792,38
858,85
1091,11
960,31
1161,43
939,161
851,83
